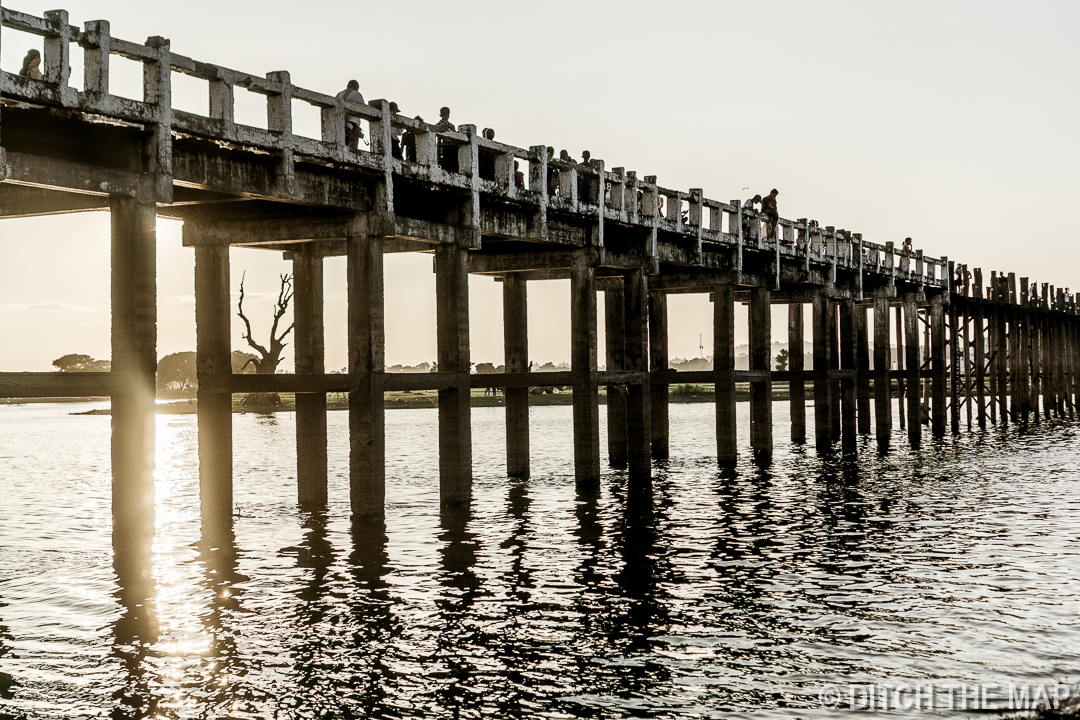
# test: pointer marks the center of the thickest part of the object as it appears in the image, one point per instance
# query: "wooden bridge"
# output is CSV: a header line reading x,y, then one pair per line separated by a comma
x,y
975,349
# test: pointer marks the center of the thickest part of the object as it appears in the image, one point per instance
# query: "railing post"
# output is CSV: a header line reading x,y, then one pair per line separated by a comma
x,y
96,42
57,58
157,91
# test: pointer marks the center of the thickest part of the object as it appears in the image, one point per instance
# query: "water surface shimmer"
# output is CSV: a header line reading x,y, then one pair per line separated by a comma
x,y
741,591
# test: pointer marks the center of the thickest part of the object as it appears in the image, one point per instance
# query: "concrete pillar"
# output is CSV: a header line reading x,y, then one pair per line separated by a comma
x,y
516,360
615,345
455,402
862,367
638,412
955,369
822,387
367,352
901,382
658,361
912,368
583,369
310,358
937,366
724,368
134,353
797,385
213,360
979,341
882,365
761,439
849,424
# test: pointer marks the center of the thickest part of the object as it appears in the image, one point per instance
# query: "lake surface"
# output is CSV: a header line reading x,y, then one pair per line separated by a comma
x,y
741,591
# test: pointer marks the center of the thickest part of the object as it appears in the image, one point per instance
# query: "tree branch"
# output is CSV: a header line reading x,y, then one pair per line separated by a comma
x,y
247,324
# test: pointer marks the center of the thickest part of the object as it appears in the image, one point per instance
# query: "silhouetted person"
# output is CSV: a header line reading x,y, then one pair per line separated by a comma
x,y
552,181
485,157
586,156
353,131
772,216
907,245
748,205
395,133
519,177
448,157
31,64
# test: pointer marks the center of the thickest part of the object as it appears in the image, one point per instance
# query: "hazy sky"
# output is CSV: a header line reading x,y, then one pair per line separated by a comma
x,y
952,122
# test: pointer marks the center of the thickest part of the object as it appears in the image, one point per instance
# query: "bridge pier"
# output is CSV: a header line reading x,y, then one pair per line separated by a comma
x,y
822,386
134,353
901,380
796,364
912,369
658,361
455,402
615,345
638,412
309,355
979,339
849,425
727,453
516,359
761,439
882,366
937,367
862,368
213,310
583,369
835,385
367,347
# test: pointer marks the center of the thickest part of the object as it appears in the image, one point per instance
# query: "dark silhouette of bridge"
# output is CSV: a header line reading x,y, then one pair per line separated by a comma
x,y
974,349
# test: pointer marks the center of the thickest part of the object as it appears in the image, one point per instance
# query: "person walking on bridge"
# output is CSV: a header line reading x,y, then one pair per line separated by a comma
x,y
353,131
772,216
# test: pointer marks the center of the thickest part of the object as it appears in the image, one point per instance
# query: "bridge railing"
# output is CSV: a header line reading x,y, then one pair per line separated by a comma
x,y
481,165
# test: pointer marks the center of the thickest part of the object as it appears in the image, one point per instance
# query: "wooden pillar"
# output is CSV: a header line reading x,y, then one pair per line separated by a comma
x,y
213,360
724,369
979,341
134,353
822,387
1046,345
310,358
1012,316
615,344
937,366
455,402
796,364
882,365
638,412
849,423
761,439
583,369
1001,369
901,385
516,360
862,367
955,374
367,353
1023,360
658,361
835,389
911,348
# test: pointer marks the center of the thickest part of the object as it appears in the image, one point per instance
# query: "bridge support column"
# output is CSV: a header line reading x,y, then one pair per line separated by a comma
x,y
455,402
134,352
367,349
310,358
882,365
937,366
901,382
1001,366
658,361
835,386
822,386
955,375
848,342
638,412
862,367
796,364
516,359
615,346
761,439
727,453
978,340
583,369
912,369
213,359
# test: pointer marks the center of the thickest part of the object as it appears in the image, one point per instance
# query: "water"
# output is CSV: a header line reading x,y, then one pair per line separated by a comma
x,y
747,591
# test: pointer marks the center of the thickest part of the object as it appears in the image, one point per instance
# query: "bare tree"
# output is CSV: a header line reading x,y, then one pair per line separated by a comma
x,y
267,359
